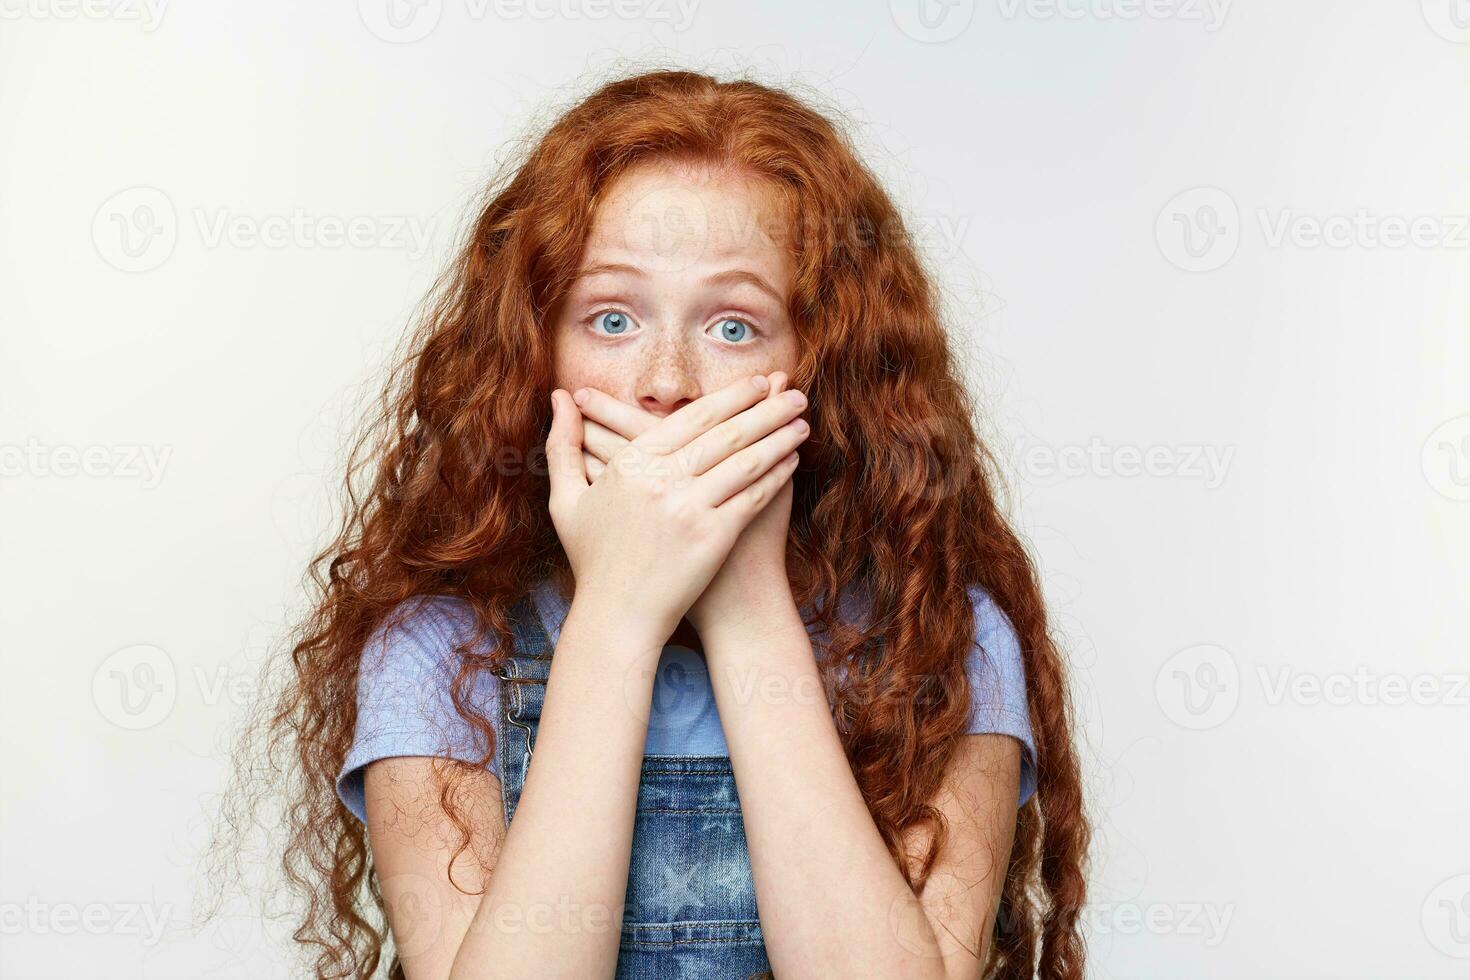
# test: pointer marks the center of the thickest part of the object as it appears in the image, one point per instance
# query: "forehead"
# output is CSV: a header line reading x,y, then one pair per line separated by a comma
x,y
669,217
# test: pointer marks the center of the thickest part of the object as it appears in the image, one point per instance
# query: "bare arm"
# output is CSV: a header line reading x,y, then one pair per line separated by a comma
x,y
412,841
832,900
553,904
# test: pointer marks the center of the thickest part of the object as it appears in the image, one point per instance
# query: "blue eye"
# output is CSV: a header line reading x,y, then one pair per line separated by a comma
x,y
733,330
614,321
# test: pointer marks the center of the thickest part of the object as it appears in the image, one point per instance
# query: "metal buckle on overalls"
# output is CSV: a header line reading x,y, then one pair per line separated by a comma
x,y
505,677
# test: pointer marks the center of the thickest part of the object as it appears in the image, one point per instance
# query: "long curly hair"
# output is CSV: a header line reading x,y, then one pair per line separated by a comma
x,y
446,491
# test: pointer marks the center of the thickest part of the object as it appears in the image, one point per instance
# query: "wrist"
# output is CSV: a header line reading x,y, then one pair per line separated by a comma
x,y
617,629
754,621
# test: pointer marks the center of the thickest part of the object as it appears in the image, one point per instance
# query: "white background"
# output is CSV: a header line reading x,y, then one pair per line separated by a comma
x,y
1270,649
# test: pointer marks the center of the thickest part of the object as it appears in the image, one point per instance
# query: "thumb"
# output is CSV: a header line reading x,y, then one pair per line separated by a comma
x,y
567,472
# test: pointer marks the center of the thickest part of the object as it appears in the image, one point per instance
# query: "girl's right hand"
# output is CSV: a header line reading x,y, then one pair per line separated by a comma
x,y
646,538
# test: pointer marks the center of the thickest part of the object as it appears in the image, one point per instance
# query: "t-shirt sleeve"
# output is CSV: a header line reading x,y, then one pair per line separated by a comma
x,y
404,705
998,684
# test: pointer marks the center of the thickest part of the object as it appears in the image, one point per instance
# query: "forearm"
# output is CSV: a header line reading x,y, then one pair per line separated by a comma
x,y
554,903
832,900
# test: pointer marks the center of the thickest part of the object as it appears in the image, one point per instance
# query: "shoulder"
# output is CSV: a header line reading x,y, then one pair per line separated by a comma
x,y
404,702
995,653
992,625
423,629
997,675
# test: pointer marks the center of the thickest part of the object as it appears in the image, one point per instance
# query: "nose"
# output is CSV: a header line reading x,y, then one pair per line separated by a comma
x,y
667,382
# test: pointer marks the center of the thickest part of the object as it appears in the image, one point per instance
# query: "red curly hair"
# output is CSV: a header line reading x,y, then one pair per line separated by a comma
x,y
895,492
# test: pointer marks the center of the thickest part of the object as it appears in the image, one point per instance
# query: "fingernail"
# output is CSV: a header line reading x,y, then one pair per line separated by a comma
x,y
761,382
580,397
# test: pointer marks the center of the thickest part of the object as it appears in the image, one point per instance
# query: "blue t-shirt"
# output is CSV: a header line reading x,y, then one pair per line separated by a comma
x,y
404,707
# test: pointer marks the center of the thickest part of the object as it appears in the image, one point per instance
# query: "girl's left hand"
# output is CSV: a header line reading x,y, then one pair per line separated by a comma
x,y
755,567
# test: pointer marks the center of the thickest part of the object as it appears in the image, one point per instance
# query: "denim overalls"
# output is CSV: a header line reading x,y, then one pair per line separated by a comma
x,y
690,909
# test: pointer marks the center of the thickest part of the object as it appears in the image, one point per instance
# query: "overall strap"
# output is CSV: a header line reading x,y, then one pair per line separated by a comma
x,y
522,683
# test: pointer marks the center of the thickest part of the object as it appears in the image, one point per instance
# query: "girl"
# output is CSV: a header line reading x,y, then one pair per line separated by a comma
x,y
678,631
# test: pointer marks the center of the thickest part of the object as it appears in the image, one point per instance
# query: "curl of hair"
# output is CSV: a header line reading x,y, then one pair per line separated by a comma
x,y
446,494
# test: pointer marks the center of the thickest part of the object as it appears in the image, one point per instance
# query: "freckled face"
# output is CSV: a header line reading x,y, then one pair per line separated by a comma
x,y
682,289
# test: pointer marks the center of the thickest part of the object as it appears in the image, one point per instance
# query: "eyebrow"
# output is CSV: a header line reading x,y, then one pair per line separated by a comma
x,y
729,277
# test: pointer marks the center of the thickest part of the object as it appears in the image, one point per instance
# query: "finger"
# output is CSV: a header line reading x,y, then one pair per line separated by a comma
x,y
745,468
564,464
735,434
742,508
600,441
594,465
616,415
674,432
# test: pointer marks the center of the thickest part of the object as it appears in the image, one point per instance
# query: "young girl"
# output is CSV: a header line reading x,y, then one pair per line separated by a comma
x,y
678,633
